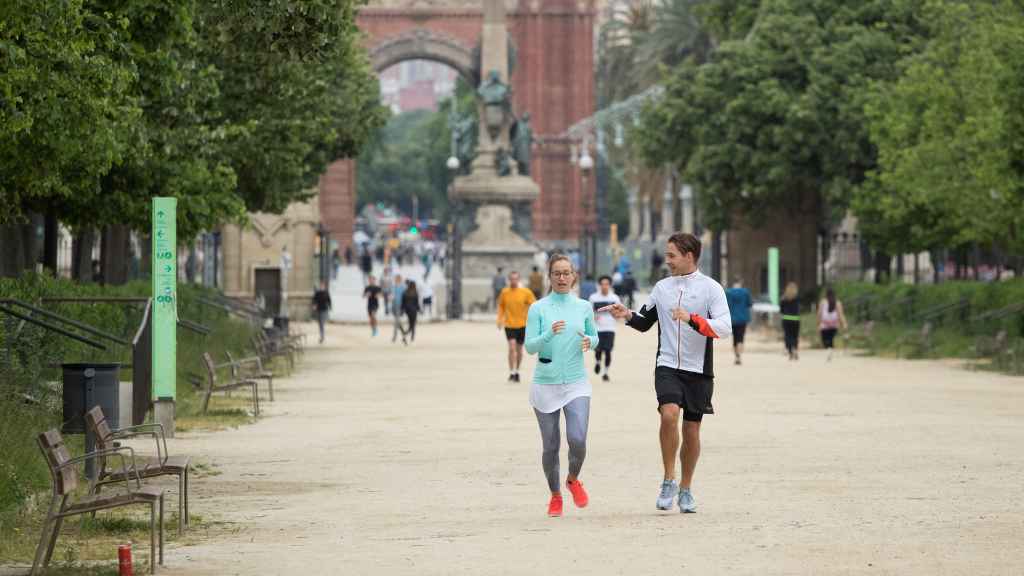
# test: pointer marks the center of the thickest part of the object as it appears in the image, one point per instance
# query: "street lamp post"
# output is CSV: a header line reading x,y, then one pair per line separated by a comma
x,y
454,260
587,240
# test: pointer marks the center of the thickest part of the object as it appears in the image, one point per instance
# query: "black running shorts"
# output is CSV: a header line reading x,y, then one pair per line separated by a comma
x,y
739,331
605,341
690,391
517,334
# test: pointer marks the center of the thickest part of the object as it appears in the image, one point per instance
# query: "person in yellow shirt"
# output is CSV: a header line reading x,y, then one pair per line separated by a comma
x,y
513,304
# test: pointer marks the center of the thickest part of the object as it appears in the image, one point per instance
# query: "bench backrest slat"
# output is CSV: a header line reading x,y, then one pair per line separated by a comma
x,y
65,480
211,371
96,420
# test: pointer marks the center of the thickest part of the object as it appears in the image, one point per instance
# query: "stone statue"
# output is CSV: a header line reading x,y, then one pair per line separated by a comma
x,y
465,141
522,140
502,162
496,98
493,91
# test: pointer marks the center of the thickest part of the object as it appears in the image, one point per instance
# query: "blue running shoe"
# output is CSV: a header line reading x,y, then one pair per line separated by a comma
x,y
687,505
669,489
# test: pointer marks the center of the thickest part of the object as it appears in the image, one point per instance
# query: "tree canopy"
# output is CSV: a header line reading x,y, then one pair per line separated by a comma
x,y
228,105
775,120
950,135
908,112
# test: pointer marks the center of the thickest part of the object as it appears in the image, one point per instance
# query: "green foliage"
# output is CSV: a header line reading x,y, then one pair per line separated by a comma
x,y
409,155
729,19
400,163
225,105
65,110
776,120
949,134
899,309
297,92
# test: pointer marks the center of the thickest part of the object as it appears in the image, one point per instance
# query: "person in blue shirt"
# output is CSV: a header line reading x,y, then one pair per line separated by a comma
x,y
740,303
587,287
560,329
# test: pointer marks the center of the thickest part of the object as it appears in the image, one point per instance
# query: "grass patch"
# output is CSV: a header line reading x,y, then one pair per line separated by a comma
x,y
219,419
88,540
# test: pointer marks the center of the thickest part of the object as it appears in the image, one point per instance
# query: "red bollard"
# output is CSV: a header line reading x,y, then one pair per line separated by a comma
x,y
124,560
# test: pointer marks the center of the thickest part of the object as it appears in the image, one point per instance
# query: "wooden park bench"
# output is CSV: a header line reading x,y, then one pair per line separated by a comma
x,y
919,341
268,350
250,368
163,465
986,345
212,386
64,503
862,334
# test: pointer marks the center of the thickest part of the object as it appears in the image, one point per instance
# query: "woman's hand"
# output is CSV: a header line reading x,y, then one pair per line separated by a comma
x,y
618,311
557,326
586,342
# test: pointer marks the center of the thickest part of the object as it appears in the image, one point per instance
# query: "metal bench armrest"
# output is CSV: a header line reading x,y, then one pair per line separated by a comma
x,y
118,451
154,428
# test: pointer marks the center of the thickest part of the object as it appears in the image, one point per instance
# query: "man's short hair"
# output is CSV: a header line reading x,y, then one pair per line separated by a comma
x,y
686,242
603,278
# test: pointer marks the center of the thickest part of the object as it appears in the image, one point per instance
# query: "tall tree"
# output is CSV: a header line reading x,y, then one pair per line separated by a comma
x,y
950,135
296,92
776,119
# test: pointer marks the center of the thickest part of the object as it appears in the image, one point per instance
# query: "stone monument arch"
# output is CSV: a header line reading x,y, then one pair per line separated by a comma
x,y
422,44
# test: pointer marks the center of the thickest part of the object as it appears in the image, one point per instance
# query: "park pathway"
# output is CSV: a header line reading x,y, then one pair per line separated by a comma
x,y
381,459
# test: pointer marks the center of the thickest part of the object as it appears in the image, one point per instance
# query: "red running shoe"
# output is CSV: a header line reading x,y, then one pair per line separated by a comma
x,y
579,494
555,505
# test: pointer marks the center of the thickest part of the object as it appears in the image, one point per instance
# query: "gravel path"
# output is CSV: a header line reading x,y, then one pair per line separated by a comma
x,y
379,459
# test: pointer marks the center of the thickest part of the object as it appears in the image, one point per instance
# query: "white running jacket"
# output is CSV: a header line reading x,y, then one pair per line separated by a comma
x,y
686,346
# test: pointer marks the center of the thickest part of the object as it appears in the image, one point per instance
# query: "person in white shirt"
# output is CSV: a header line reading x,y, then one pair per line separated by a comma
x,y
601,299
427,294
690,310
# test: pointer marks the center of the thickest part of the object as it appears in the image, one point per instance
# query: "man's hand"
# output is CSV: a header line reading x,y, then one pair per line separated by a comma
x,y
680,314
557,326
586,342
618,311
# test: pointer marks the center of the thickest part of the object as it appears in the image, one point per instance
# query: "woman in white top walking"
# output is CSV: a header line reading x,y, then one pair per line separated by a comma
x,y
830,319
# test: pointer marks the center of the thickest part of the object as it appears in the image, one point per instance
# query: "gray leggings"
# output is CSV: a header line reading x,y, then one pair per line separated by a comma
x,y
577,417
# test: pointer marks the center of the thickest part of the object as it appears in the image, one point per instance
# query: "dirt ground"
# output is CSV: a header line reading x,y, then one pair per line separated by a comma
x,y
382,459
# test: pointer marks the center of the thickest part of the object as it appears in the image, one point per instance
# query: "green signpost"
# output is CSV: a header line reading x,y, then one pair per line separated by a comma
x,y
773,275
165,310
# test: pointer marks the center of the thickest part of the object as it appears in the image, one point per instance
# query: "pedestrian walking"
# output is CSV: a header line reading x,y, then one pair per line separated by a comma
x,y
411,307
691,311
600,301
830,319
397,291
514,302
537,283
322,305
790,309
628,287
560,330
587,287
740,303
497,285
366,264
427,295
372,294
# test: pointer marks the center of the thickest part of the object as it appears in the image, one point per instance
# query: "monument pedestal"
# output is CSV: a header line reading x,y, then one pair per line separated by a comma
x,y
491,245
